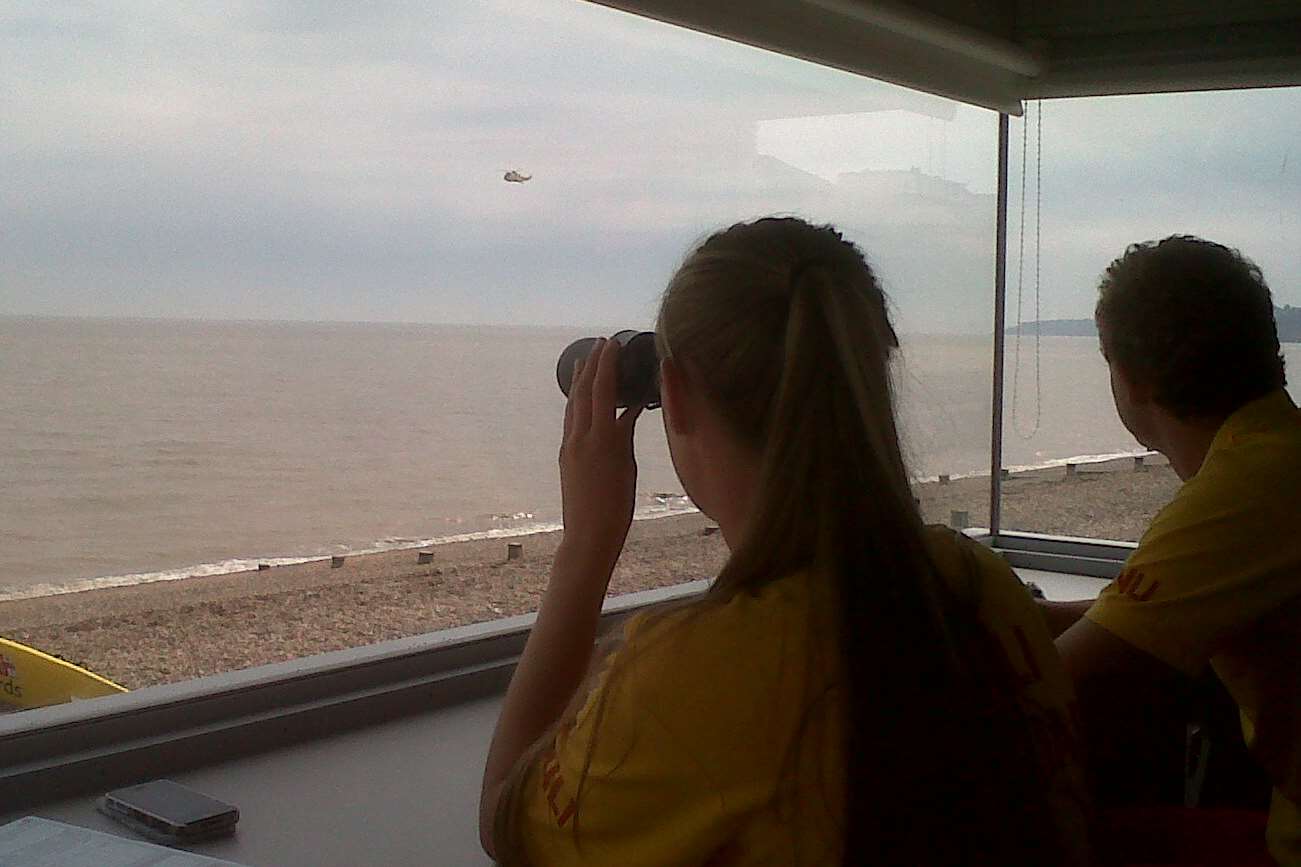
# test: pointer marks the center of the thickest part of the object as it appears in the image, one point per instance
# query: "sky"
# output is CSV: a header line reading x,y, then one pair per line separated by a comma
x,y
323,160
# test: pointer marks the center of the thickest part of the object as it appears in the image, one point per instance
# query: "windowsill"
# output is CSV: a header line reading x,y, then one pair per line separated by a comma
x,y
1097,558
82,746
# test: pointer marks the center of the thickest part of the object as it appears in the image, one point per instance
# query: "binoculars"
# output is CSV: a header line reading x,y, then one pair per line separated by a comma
x,y
639,367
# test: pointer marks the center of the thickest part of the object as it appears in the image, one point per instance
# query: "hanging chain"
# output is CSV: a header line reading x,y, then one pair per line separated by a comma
x,y
1038,247
1020,271
1020,274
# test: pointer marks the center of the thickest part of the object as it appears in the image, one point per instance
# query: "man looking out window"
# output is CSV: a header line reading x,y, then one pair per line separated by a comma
x,y
1187,328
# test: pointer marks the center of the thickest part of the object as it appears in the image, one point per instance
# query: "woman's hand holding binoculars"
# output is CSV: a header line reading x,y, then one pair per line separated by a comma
x,y
598,481
598,470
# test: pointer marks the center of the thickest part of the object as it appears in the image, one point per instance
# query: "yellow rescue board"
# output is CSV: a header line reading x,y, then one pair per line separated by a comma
x,y
30,678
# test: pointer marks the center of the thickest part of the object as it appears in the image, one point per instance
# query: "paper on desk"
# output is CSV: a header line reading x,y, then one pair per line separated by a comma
x,y
36,842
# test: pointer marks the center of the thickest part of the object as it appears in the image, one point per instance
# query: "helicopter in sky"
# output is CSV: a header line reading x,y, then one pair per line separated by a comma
x,y
514,177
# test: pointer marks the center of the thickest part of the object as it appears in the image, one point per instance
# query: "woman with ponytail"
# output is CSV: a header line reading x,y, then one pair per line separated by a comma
x,y
854,688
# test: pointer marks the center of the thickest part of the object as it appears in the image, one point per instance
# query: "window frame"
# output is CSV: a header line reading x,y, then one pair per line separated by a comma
x,y
1099,558
73,749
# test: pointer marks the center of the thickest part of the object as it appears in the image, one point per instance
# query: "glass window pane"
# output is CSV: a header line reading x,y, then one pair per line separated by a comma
x,y
288,285
1100,174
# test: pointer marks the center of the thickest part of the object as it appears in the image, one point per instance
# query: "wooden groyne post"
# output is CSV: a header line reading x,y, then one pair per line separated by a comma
x,y
944,478
262,567
423,557
514,550
336,561
1139,466
1071,470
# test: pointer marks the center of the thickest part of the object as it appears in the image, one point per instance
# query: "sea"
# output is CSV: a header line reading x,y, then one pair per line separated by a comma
x,y
148,450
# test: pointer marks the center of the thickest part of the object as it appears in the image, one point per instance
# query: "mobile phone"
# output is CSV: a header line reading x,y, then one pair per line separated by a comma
x,y
167,811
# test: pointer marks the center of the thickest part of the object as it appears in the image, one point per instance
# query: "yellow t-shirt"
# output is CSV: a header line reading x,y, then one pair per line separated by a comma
x,y
683,755
1217,578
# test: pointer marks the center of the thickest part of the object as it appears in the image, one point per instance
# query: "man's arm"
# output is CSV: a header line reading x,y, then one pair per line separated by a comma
x,y
1134,711
1061,616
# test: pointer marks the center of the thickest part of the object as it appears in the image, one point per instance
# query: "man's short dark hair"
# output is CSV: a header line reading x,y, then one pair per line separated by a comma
x,y
1194,321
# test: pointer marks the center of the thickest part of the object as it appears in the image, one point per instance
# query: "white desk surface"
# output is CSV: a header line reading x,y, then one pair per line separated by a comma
x,y
1064,588
398,793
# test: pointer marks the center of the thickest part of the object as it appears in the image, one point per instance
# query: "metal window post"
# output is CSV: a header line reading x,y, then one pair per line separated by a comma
x,y
1000,296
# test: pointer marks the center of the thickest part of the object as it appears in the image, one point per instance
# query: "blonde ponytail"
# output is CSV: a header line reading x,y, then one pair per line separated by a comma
x,y
787,326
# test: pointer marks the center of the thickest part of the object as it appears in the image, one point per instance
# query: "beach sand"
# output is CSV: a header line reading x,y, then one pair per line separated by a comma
x,y
175,630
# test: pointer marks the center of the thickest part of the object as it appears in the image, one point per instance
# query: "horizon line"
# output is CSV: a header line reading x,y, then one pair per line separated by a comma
x,y
396,322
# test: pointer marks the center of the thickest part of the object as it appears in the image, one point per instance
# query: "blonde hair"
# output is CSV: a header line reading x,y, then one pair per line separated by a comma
x,y
786,328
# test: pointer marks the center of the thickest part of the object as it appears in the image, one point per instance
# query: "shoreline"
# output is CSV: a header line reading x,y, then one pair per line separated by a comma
x,y
161,632
240,565
165,631
236,564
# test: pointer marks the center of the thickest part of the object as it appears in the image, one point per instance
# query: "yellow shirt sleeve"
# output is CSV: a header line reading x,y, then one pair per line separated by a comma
x,y
1214,561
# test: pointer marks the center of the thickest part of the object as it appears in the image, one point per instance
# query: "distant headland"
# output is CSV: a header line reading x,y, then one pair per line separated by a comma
x,y
1287,317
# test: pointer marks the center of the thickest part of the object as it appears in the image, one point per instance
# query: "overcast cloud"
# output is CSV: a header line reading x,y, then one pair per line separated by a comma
x,y
334,161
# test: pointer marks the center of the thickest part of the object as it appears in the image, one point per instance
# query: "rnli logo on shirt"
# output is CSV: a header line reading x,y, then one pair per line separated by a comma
x,y
7,668
552,784
1134,584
